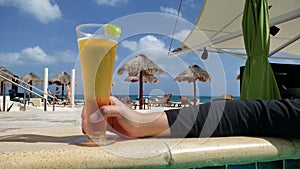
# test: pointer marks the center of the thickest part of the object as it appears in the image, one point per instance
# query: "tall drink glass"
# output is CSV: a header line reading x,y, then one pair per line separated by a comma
x,y
97,44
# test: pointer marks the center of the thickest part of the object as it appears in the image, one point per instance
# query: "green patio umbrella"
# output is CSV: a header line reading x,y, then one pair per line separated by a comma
x,y
258,78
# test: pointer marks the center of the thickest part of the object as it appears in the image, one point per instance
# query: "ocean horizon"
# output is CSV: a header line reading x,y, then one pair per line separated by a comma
x,y
174,98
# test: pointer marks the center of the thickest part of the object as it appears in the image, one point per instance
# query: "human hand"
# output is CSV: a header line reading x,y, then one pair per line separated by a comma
x,y
124,121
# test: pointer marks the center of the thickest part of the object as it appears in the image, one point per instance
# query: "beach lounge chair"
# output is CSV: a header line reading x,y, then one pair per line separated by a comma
x,y
171,104
227,96
163,102
127,101
185,101
19,97
62,102
145,103
224,97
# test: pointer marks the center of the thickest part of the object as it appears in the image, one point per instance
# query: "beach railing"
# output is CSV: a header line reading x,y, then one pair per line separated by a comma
x,y
25,90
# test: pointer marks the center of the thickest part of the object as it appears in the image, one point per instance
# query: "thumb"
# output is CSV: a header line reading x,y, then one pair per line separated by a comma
x,y
104,112
96,117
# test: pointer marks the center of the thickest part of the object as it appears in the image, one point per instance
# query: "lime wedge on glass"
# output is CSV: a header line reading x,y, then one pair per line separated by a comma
x,y
112,30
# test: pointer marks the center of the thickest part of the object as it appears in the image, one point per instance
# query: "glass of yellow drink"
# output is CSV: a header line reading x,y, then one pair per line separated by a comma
x,y
97,44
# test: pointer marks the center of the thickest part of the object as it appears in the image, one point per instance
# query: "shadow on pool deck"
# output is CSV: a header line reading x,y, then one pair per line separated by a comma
x,y
34,138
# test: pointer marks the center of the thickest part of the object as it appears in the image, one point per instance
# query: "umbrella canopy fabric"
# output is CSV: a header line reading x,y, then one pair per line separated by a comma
x,y
32,78
140,66
258,78
62,79
218,26
191,74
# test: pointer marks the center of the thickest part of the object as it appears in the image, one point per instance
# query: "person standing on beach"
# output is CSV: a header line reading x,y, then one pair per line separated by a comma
x,y
68,90
50,94
273,118
56,93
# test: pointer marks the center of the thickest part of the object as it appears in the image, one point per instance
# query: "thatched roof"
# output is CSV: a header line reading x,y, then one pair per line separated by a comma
x,y
138,64
32,78
62,78
145,79
192,73
6,73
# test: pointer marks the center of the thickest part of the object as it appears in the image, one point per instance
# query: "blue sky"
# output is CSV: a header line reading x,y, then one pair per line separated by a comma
x,y
41,33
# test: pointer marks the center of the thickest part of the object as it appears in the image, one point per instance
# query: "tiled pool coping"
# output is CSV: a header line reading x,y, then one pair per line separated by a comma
x,y
44,140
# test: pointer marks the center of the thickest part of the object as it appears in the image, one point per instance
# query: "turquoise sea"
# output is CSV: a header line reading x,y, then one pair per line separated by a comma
x,y
174,98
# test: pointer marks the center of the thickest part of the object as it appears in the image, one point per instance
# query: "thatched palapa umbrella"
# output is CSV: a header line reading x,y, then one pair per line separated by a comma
x,y
62,79
191,74
32,78
145,79
142,67
7,74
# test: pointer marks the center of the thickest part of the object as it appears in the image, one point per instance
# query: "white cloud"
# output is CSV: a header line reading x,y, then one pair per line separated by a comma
x,y
170,10
10,58
150,41
181,36
36,55
111,2
131,45
151,45
191,3
44,11
66,56
146,42
155,49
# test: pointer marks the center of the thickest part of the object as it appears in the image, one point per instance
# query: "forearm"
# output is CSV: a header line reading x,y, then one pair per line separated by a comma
x,y
154,124
274,118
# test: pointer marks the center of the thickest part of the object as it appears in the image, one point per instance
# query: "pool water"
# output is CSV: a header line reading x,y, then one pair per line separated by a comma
x,y
280,164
